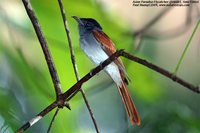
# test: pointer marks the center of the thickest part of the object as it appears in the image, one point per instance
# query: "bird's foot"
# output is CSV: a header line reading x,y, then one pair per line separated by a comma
x,y
101,65
91,72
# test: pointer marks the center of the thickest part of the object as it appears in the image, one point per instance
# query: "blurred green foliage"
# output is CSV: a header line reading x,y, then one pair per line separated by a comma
x,y
26,87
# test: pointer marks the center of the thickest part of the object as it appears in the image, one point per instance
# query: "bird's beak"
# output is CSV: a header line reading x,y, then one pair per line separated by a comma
x,y
78,20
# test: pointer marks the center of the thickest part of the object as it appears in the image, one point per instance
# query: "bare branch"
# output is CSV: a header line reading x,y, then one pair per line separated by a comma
x,y
152,22
51,123
166,34
140,34
73,59
69,39
162,71
171,33
135,59
44,46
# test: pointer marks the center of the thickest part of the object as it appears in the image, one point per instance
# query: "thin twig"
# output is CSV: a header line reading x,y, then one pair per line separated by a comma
x,y
142,32
44,46
73,59
197,10
152,22
138,43
167,34
171,33
69,39
52,120
189,14
186,47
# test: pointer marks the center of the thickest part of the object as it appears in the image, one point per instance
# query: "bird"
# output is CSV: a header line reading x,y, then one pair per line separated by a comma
x,y
98,47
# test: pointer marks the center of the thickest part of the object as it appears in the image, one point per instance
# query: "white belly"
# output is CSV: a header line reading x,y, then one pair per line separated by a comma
x,y
94,51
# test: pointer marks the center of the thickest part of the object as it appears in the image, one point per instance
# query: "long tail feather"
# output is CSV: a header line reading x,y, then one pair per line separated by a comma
x,y
129,105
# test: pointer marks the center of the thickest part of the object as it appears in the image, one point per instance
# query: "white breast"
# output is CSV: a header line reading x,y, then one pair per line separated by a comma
x,y
93,50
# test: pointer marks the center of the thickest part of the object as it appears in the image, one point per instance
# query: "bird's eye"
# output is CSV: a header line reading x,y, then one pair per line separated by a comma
x,y
87,25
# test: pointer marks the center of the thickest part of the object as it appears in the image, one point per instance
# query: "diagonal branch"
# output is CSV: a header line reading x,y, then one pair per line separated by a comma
x,y
152,22
135,59
37,117
73,59
43,43
161,71
142,32
76,87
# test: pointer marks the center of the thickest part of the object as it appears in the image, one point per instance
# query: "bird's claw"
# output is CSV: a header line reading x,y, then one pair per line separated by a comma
x,y
91,72
101,65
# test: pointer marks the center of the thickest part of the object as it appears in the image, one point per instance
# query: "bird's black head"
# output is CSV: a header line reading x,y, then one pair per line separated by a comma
x,y
88,23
